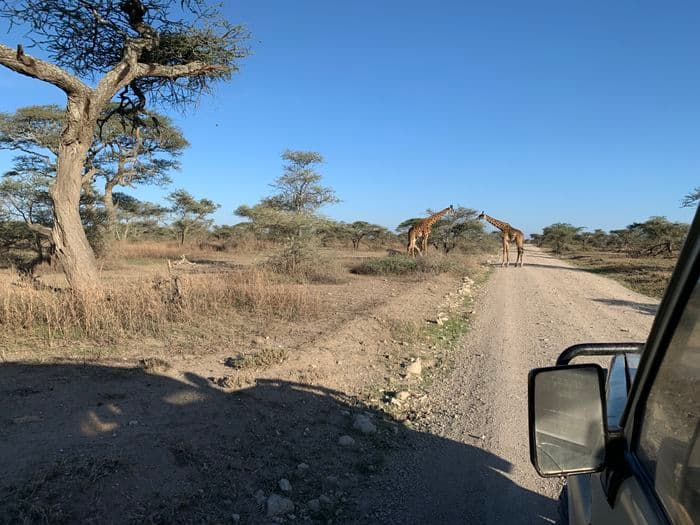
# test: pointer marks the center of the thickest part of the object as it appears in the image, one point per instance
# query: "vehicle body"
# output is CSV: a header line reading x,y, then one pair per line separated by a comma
x,y
628,437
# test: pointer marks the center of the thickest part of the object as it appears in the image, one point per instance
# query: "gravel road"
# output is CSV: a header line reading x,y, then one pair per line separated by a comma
x,y
472,466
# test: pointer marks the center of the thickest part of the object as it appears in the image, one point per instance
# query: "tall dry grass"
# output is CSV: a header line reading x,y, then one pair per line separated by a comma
x,y
151,307
195,249
160,250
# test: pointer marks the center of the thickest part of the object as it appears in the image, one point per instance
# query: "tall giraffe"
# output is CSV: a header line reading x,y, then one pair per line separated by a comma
x,y
422,229
509,234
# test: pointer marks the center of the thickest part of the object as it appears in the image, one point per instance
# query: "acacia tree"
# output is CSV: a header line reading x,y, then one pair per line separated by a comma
x,y
190,213
137,48
24,199
559,235
658,235
298,188
691,199
359,230
458,228
121,154
141,156
134,216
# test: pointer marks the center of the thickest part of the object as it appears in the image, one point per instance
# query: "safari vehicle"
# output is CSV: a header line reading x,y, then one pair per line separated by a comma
x,y
628,437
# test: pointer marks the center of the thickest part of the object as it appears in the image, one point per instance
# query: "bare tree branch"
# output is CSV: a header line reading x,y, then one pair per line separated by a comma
x,y
33,67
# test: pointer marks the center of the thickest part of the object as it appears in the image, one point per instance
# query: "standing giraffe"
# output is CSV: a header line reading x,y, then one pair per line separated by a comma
x,y
422,229
509,234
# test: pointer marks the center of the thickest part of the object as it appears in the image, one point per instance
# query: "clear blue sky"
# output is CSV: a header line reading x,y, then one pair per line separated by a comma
x,y
537,112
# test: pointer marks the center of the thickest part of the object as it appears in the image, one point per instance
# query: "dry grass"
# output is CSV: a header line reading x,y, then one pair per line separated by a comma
x,y
192,250
646,275
162,250
150,307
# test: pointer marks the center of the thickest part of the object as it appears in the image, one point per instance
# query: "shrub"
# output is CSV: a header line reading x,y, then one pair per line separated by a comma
x,y
302,261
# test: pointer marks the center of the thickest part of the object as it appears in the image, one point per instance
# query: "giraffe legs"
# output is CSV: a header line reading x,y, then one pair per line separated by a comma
x,y
520,256
521,250
505,259
425,243
411,248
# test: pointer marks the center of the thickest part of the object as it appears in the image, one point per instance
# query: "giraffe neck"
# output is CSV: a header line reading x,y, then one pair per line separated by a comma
x,y
427,223
503,226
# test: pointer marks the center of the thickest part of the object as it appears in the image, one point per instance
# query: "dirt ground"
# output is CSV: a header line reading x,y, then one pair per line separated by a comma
x,y
145,434
471,461
344,427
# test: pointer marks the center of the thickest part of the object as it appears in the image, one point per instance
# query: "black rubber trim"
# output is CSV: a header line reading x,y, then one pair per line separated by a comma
x,y
597,349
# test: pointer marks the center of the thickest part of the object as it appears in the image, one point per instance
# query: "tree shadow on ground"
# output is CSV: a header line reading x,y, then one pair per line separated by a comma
x,y
645,308
106,444
538,265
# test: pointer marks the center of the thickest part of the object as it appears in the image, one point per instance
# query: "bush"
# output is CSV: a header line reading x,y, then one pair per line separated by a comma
x,y
405,265
302,261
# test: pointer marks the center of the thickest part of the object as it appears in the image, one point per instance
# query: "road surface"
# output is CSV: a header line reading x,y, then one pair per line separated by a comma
x,y
474,467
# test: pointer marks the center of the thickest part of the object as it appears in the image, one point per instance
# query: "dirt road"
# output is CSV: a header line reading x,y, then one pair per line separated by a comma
x,y
475,468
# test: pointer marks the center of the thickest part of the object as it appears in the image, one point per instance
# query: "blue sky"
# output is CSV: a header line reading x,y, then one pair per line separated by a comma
x,y
537,112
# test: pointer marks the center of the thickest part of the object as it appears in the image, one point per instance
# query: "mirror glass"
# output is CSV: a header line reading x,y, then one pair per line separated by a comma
x,y
569,429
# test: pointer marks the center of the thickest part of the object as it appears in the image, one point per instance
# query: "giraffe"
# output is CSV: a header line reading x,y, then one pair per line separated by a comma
x,y
509,234
422,230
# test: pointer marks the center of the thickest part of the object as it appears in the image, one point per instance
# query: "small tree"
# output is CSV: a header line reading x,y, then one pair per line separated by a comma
x,y
134,156
658,235
691,199
299,188
559,236
359,230
137,48
135,217
24,197
189,213
460,228
124,153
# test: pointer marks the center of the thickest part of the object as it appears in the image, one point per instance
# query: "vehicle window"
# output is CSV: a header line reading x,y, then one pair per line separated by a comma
x,y
669,444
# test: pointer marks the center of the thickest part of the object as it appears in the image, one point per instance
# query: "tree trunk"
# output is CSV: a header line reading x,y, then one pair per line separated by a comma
x,y
72,248
110,210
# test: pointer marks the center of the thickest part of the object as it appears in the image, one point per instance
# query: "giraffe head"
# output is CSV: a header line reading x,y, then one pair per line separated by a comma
x,y
450,209
481,216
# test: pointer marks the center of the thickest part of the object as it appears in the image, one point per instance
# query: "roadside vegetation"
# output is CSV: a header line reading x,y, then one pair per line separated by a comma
x,y
641,256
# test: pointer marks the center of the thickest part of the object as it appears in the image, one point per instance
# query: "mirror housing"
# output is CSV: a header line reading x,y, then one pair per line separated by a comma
x,y
566,409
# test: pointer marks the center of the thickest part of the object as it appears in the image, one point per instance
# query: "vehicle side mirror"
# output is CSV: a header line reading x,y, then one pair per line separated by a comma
x,y
566,406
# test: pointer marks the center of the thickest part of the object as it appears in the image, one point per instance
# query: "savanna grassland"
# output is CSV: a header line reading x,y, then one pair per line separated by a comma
x,y
225,372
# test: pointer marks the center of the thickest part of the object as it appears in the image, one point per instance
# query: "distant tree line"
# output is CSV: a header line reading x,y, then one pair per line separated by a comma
x,y
657,236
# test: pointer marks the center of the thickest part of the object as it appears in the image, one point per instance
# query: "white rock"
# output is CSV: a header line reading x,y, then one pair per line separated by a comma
x,y
278,505
403,395
285,485
415,368
346,441
364,425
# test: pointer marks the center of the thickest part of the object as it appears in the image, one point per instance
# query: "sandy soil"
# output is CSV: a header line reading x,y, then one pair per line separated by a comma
x,y
195,441
479,470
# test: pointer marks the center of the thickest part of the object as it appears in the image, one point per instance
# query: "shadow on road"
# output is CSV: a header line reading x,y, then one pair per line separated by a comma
x,y
646,308
102,444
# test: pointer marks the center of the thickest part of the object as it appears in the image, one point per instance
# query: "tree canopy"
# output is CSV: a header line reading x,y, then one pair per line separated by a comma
x,y
299,188
691,199
190,213
139,51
